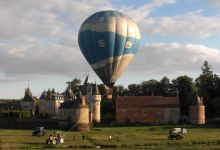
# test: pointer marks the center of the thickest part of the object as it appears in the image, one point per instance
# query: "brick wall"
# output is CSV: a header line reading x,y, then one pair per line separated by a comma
x,y
147,109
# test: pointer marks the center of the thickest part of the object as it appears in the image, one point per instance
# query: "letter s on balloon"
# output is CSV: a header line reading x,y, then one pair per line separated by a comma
x,y
128,44
101,43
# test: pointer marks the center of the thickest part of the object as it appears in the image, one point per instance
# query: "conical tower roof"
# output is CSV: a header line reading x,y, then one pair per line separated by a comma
x,y
43,95
86,80
28,95
95,90
84,86
198,101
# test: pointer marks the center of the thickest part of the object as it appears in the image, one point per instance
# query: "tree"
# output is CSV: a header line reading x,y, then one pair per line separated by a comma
x,y
53,91
165,87
49,95
216,92
215,103
74,85
150,87
134,89
206,86
187,92
206,69
120,90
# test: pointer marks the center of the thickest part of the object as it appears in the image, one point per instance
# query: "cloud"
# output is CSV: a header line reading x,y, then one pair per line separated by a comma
x,y
192,24
45,17
40,37
173,58
140,13
34,57
215,3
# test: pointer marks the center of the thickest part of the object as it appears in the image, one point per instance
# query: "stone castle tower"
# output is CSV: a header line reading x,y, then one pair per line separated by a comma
x,y
28,103
197,111
96,105
82,123
83,109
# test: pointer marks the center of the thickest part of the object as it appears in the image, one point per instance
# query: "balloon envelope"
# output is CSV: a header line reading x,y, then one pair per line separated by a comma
x,y
109,40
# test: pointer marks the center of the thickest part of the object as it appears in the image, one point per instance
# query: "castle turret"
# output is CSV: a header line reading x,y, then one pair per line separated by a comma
x,y
96,105
28,102
197,111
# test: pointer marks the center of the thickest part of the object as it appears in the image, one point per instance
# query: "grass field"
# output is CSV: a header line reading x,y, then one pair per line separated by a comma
x,y
144,137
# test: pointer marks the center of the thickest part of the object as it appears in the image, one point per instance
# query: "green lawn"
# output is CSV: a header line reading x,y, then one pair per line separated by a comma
x,y
144,137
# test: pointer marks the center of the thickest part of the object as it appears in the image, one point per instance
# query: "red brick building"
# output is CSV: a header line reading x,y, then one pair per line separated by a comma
x,y
147,110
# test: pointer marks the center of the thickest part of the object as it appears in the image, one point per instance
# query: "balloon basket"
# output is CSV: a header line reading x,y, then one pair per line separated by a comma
x,y
109,97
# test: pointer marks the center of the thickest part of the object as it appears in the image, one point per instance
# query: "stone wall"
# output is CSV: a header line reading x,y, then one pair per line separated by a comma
x,y
49,107
197,114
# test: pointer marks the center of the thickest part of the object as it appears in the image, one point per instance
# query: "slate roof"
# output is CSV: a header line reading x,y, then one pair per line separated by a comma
x,y
83,88
71,104
69,93
28,95
43,95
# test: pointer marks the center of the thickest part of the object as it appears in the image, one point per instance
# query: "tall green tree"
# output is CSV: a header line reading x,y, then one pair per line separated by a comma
x,y
187,91
216,92
206,86
215,104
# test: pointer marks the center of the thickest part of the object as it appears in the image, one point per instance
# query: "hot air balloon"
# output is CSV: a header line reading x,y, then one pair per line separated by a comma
x,y
109,41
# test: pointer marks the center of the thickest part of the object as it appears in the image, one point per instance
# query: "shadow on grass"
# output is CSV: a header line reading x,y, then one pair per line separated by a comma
x,y
34,143
157,139
37,143
97,129
190,126
16,135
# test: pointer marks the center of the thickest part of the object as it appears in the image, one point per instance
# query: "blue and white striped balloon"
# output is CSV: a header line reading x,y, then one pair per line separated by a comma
x,y
109,40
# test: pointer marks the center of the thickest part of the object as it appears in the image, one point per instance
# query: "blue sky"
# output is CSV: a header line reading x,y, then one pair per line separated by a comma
x,y
38,41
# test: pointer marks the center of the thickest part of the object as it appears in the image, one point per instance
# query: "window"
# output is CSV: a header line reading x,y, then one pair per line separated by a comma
x,y
123,112
158,114
144,112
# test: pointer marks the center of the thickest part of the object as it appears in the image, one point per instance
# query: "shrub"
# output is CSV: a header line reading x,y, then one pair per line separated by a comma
x,y
18,114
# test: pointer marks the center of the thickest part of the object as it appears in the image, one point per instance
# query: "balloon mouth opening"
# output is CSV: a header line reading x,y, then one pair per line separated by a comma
x,y
109,90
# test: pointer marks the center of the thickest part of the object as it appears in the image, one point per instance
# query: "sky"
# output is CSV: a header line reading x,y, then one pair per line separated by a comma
x,y
39,46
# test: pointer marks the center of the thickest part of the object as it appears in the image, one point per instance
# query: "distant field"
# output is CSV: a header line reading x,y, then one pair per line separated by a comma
x,y
144,137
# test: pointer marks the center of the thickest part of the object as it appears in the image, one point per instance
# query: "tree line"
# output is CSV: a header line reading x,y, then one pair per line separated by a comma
x,y
206,85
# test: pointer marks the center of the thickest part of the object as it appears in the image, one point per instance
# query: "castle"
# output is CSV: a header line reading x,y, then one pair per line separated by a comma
x,y
82,110
76,110
71,111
